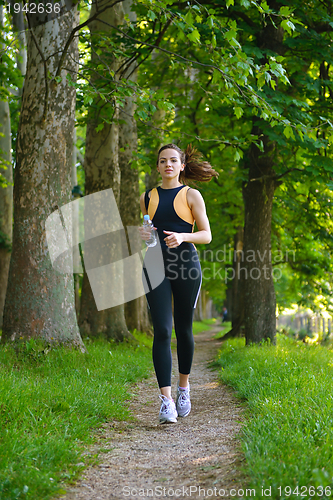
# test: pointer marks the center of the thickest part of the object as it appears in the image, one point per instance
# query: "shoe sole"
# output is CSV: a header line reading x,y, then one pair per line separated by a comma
x,y
185,415
168,421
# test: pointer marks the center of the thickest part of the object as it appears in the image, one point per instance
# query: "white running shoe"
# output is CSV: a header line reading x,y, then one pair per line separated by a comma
x,y
168,412
183,402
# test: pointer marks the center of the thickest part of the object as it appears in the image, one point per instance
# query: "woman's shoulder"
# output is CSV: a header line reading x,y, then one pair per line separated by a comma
x,y
193,195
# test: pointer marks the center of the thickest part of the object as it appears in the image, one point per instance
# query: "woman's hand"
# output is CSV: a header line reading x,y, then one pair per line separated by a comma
x,y
174,239
145,235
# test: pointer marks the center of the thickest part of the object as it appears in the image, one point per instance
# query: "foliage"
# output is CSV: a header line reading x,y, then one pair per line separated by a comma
x,y
10,81
206,76
222,127
287,439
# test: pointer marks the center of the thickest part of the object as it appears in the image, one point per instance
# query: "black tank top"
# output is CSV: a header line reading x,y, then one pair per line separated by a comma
x,y
169,211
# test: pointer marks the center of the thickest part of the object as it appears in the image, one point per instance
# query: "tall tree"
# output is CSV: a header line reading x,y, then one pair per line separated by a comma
x,y
136,312
15,76
40,301
102,170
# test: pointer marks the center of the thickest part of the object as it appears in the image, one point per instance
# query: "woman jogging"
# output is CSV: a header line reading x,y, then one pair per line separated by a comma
x,y
173,208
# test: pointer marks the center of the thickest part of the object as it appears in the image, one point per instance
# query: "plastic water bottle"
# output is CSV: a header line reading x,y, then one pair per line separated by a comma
x,y
149,226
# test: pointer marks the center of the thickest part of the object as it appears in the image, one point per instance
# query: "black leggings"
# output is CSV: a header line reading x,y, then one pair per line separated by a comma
x,y
182,280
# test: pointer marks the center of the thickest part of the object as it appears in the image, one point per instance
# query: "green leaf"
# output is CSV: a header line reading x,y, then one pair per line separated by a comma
x,y
288,26
194,36
189,18
151,15
88,99
284,11
229,2
142,114
238,155
288,132
265,6
261,80
166,106
238,111
210,21
99,127
213,40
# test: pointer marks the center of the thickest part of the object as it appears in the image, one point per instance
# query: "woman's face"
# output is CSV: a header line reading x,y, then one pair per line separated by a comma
x,y
169,164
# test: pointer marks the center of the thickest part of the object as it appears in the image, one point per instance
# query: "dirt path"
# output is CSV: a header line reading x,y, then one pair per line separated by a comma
x,y
149,460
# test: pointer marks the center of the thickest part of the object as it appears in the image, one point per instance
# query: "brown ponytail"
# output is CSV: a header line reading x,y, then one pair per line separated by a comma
x,y
195,168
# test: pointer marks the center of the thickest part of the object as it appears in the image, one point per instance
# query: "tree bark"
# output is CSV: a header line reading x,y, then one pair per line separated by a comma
x,y
40,300
237,291
259,293
102,171
136,312
257,279
76,256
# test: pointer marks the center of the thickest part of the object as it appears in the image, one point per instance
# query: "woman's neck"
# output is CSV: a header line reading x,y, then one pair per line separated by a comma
x,y
170,185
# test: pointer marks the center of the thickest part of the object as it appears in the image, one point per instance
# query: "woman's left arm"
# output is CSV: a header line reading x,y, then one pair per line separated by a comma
x,y
198,208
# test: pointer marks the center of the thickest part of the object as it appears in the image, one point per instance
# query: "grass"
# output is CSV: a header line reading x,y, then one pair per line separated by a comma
x,y
287,437
52,403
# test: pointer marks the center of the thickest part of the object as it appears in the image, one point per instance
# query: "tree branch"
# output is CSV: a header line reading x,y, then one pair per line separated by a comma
x,y
158,41
275,177
77,28
287,172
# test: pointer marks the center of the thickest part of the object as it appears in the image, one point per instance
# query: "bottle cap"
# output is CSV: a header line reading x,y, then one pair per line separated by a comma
x,y
146,217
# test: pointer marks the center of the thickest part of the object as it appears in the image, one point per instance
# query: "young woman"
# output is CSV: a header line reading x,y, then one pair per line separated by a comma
x,y
173,208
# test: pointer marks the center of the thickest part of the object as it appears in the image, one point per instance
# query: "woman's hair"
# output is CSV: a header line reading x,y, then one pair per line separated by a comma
x,y
195,169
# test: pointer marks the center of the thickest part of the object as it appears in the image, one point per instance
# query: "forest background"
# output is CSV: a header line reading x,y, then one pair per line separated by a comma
x,y
89,93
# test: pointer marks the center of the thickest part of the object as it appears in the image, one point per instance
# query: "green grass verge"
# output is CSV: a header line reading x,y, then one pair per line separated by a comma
x,y
288,432
52,404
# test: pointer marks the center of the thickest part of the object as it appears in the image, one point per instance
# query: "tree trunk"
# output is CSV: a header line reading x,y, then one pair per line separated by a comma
x,y
259,293
76,256
101,165
136,312
40,300
237,291
6,193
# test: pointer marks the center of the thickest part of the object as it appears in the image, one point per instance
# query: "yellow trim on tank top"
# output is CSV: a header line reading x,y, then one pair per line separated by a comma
x,y
181,206
153,203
